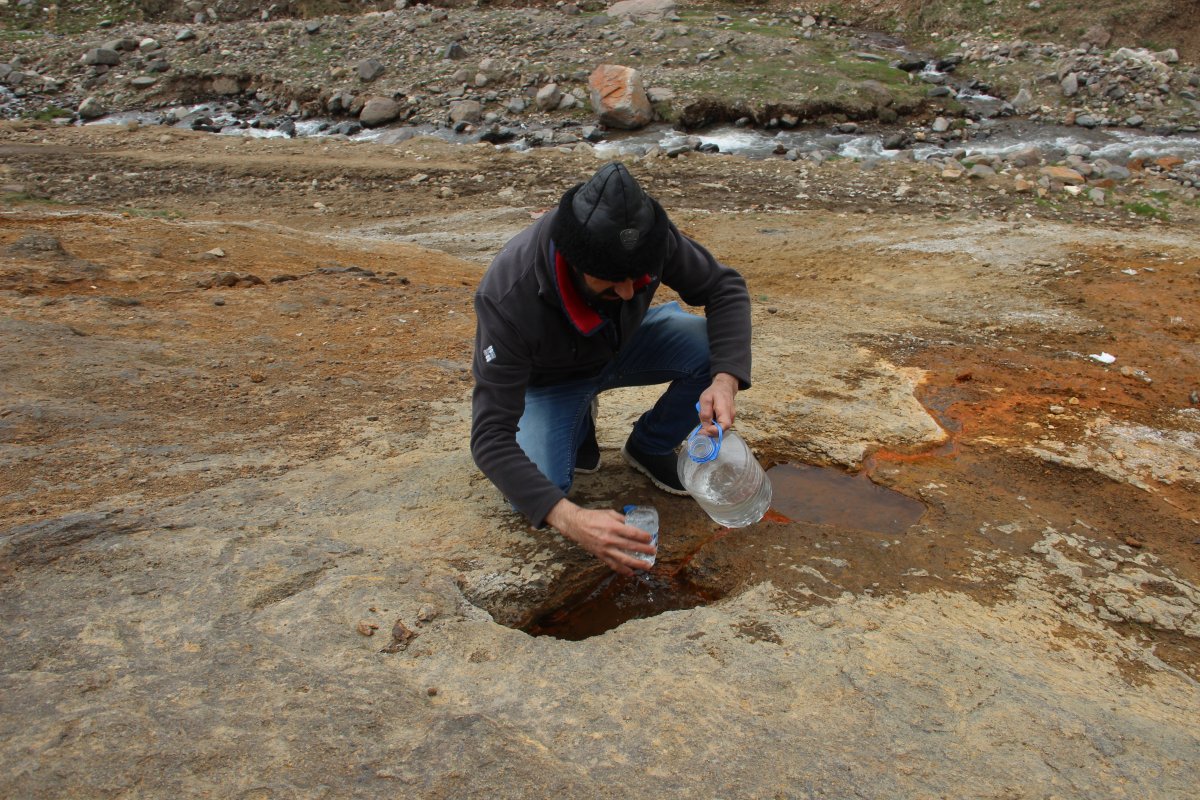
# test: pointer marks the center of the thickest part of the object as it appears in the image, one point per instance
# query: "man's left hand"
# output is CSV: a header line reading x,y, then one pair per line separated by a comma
x,y
717,404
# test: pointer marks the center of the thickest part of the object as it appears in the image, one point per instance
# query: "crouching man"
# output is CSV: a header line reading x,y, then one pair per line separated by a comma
x,y
564,313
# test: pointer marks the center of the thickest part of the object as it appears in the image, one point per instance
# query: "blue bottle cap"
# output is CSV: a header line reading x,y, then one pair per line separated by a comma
x,y
702,448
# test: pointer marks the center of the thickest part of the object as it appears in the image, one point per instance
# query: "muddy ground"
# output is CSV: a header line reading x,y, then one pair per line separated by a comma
x,y
245,552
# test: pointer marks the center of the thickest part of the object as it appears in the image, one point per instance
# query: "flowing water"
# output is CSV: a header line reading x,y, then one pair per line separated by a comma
x,y
988,137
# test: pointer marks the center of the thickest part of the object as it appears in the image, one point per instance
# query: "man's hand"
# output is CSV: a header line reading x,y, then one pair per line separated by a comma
x,y
716,403
604,534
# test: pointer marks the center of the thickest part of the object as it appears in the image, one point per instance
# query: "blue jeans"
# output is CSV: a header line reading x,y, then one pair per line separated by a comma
x,y
671,345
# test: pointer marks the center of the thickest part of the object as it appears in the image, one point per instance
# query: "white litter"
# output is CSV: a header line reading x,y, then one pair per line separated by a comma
x,y
1103,358
1130,271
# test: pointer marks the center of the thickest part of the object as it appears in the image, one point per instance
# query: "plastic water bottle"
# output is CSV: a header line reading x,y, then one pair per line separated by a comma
x,y
724,477
645,518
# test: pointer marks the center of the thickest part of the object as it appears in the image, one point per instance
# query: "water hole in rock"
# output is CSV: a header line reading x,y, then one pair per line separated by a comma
x,y
802,493
616,600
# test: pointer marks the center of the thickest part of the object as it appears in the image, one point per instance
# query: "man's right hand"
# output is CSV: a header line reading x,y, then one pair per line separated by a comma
x,y
604,534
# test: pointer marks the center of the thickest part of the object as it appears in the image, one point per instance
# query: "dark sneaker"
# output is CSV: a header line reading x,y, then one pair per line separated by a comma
x,y
661,470
587,457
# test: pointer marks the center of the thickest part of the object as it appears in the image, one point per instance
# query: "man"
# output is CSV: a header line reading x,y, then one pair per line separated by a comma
x,y
563,313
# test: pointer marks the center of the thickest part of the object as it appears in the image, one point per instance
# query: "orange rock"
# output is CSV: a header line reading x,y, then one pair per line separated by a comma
x,y
1169,162
1063,175
619,98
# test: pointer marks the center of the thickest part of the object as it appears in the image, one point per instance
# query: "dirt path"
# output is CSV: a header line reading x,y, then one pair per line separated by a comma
x,y
211,494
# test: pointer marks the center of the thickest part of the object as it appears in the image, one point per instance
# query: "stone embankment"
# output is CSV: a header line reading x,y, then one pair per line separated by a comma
x,y
532,67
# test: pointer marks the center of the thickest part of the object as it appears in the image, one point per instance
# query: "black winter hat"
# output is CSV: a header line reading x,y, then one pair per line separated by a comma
x,y
610,228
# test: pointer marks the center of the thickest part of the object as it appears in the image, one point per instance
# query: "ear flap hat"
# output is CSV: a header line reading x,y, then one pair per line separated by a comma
x,y
610,228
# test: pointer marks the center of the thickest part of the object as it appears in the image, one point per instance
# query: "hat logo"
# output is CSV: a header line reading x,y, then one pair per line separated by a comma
x,y
629,238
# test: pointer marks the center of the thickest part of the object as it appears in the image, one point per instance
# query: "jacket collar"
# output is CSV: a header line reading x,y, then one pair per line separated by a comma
x,y
585,318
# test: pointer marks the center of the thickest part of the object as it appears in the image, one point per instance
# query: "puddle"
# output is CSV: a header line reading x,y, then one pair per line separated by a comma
x,y
827,496
802,493
616,600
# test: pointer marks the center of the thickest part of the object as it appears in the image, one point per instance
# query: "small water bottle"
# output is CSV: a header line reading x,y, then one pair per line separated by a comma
x,y
645,518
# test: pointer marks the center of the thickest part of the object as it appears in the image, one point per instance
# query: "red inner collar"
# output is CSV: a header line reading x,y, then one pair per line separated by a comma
x,y
585,318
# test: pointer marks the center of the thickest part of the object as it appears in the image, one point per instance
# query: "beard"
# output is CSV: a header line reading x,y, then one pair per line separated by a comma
x,y
606,301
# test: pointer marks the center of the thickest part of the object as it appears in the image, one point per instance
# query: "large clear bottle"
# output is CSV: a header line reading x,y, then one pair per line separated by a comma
x,y
725,478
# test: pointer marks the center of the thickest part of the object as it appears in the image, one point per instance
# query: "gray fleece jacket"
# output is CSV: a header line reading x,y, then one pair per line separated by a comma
x,y
534,329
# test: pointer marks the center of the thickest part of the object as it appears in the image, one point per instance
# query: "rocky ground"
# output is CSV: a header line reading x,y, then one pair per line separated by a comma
x,y
244,551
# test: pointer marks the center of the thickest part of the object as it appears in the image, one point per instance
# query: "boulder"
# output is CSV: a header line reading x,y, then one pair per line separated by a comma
x,y
642,9
101,56
1096,35
1025,157
124,44
1063,175
91,108
1023,102
225,85
878,93
548,97
469,111
369,69
379,111
339,103
619,98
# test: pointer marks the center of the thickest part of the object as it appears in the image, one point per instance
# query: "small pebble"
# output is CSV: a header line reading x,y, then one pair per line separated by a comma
x,y
432,691
218,301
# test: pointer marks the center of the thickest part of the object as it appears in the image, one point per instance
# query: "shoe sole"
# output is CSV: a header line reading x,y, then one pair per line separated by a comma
x,y
633,462
585,471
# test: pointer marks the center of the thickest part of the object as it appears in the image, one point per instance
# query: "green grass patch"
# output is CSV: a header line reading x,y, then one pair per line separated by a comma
x,y
7,35
72,18
760,28
25,198
1148,210
816,72
50,113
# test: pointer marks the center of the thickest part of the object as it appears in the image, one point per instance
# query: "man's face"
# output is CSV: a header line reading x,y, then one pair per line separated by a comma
x,y
608,291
